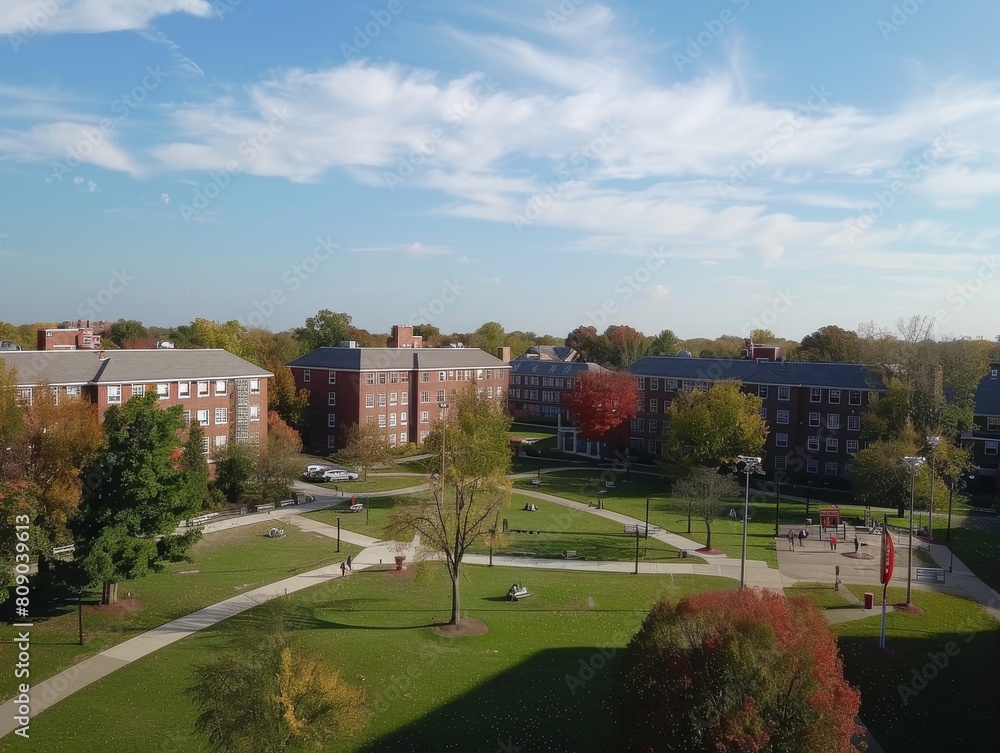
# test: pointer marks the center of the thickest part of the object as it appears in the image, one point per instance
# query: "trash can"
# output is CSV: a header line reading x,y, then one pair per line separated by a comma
x,y
869,600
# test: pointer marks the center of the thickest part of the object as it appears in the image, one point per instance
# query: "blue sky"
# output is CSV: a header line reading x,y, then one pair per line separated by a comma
x,y
708,167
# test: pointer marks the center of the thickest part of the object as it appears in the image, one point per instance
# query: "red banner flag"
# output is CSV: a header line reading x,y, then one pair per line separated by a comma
x,y
888,556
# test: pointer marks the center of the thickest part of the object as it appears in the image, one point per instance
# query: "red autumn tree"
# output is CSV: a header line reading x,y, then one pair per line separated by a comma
x,y
600,403
735,672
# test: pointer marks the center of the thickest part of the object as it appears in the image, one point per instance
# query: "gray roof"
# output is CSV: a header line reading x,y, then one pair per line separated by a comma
x,y
552,368
550,353
987,399
848,376
398,359
126,366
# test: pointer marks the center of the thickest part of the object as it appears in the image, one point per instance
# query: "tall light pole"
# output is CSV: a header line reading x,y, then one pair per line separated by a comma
x,y
747,464
932,445
913,463
444,432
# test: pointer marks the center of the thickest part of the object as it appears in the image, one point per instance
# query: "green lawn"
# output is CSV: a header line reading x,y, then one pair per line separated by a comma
x,y
822,593
425,691
948,707
553,529
225,564
372,521
376,483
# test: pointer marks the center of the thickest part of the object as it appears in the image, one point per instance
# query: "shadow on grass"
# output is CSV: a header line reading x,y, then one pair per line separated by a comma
x,y
556,700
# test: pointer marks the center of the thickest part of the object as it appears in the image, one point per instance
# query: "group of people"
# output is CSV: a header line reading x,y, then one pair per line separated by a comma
x,y
345,566
804,534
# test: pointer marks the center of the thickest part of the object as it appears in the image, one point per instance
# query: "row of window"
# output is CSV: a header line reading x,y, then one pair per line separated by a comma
x,y
784,392
832,419
202,389
830,468
993,423
533,381
403,438
221,416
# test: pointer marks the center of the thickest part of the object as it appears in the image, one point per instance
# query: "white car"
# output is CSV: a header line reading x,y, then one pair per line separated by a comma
x,y
335,474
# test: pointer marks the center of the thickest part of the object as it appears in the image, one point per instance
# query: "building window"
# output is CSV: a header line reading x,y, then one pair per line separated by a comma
x,y
423,435
854,423
255,413
55,395
654,406
762,391
424,416
852,445
832,444
163,390
499,390
781,440
991,446
393,398
187,418
835,397
114,394
331,441
184,389
392,420
203,417
992,422
651,446
138,390
75,391
202,389
220,441
654,426
370,378
641,383
306,375
830,469
780,463
392,440
331,420
833,421
254,386
781,416
654,383
221,416
784,393
812,444
442,376
763,414
425,397
440,396
814,419
815,395
381,377
331,377
812,466
381,400
394,377
205,445
425,376
671,384
381,420
370,400
402,437
404,398
402,419
331,398
854,397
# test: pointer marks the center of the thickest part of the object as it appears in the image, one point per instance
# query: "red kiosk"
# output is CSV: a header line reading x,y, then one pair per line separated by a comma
x,y
829,517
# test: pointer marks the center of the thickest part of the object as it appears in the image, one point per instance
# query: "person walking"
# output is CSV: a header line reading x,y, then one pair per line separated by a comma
x,y
802,537
833,542
348,562
857,543
791,540
343,569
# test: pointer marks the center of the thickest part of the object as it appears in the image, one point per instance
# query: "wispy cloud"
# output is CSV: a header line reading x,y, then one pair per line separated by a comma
x,y
415,250
90,16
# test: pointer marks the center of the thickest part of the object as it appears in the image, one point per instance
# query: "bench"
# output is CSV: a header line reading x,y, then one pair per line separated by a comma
x,y
202,519
536,482
609,484
517,592
63,549
935,574
288,502
572,555
264,508
636,529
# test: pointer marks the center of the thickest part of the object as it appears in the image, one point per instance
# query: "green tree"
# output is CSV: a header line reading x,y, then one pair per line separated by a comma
x,y
713,428
233,469
473,487
664,344
22,532
489,337
194,469
624,345
732,672
266,696
365,447
124,330
325,329
277,464
11,416
704,489
126,520
830,343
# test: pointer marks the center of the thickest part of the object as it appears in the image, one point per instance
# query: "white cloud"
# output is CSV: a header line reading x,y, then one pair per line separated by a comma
x,y
659,291
31,17
490,280
465,260
414,250
66,143
165,198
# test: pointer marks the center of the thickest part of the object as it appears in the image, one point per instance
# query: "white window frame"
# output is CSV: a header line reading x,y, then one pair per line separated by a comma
x,y
854,423
393,398
203,417
331,398
815,395
834,397
402,419
369,378
640,383
202,389
781,440
814,418
993,423
255,413
73,391
781,417
381,420
832,420
830,468
424,416
784,393
381,400
762,391
812,466
254,386
812,444
832,444
183,389
854,397
138,390
306,375
221,416
992,447
163,390
114,394
221,440
331,420
331,377
780,462
392,420
369,399
852,445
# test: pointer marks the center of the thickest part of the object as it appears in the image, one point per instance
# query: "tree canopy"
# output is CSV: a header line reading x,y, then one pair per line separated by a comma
x,y
705,488
601,402
713,428
324,329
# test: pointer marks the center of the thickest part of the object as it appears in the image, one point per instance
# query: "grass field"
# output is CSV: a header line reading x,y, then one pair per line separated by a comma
x,y
224,564
376,483
372,521
425,691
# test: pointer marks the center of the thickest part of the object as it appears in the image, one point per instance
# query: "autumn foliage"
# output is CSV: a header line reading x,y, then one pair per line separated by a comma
x,y
735,672
602,401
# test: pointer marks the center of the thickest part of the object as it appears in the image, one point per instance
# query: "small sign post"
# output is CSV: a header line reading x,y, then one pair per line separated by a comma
x,y
885,571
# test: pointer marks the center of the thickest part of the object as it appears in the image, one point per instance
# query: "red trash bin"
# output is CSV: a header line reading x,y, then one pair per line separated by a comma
x,y
869,600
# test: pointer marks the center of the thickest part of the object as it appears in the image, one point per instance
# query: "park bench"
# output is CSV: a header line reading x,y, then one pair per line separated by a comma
x,y
288,502
517,592
640,529
536,482
935,574
202,518
68,549
264,508
572,555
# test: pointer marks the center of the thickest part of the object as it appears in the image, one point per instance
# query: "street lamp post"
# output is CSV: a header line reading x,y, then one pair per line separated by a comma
x,y
777,505
913,463
444,434
932,445
750,464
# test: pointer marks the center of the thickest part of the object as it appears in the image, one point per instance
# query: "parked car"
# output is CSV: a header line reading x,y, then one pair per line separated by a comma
x,y
335,474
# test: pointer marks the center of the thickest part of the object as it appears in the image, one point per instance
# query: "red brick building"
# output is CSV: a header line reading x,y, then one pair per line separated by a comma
x,y
398,389
78,338
222,392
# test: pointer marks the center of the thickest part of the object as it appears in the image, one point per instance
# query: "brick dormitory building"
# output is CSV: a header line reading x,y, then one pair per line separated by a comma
x,y
220,391
399,388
